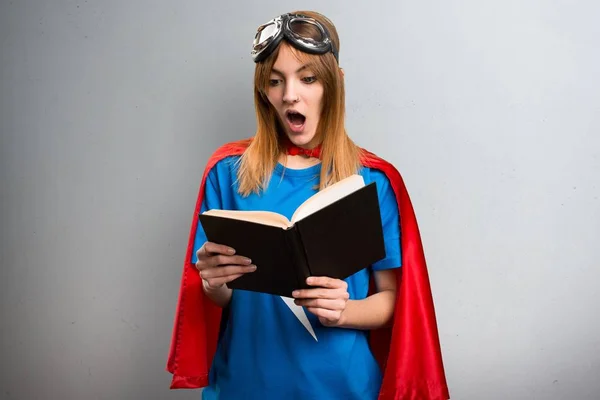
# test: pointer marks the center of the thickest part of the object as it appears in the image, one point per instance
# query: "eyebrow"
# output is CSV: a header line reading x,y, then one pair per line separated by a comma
x,y
276,71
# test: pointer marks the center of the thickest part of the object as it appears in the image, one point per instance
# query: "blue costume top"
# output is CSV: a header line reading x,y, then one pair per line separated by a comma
x,y
271,349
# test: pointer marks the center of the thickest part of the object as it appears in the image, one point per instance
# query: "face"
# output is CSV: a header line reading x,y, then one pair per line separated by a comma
x,y
296,95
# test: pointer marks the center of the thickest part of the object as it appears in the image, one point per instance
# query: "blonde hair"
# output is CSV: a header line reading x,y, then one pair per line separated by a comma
x,y
340,157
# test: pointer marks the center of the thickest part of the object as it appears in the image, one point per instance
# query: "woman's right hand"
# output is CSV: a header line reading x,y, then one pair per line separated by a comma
x,y
218,264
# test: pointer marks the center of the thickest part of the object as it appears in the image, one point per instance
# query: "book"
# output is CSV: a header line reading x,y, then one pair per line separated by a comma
x,y
335,233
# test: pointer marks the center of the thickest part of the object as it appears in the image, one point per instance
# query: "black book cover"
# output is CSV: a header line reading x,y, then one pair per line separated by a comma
x,y
335,241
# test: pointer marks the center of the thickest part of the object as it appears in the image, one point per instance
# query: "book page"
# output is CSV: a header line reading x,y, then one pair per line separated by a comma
x,y
259,217
328,196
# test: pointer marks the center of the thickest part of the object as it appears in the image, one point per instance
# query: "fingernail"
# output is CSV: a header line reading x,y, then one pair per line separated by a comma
x,y
231,251
295,293
248,261
310,280
252,267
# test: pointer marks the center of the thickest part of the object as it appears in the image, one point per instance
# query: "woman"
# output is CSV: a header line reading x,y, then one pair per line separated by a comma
x,y
330,342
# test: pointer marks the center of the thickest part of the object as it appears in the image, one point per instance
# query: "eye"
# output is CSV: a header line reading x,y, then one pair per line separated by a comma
x,y
274,82
309,79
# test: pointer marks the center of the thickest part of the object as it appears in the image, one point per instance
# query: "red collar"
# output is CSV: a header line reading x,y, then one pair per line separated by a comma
x,y
294,150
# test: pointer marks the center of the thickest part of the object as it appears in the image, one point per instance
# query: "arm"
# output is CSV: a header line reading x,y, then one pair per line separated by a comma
x,y
330,302
217,264
375,311
220,295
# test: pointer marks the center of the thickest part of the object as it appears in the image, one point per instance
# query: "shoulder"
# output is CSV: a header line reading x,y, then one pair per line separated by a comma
x,y
374,162
377,168
230,149
382,169
225,157
236,147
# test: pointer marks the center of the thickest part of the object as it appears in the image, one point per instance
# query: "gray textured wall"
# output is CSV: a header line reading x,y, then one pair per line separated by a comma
x,y
110,109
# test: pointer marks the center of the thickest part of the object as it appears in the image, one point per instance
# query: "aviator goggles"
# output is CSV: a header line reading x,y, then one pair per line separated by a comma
x,y
289,26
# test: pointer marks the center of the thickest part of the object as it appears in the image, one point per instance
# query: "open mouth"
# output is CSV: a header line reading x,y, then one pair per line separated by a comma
x,y
295,120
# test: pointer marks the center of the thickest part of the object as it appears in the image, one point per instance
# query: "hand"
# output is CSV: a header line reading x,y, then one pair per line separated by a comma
x,y
218,265
327,302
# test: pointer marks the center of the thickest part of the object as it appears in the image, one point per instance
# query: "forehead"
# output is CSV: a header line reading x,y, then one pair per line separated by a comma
x,y
289,60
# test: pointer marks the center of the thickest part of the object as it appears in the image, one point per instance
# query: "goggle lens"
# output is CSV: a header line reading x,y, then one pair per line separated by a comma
x,y
266,33
306,30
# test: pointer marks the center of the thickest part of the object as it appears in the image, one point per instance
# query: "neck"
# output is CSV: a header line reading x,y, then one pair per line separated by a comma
x,y
296,157
297,162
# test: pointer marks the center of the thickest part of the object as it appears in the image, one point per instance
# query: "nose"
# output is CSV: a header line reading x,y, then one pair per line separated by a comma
x,y
290,94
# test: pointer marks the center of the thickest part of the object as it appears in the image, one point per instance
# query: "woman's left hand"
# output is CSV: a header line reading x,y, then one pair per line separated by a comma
x,y
327,301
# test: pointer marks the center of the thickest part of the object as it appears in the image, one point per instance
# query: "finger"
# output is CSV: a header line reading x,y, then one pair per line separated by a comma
x,y
216,282
324,313
320,294
219,260
219,272
328,304
203,264
209,248
326,282
229,260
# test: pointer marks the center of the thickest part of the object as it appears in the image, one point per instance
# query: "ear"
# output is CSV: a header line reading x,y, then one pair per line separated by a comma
x,y
342,72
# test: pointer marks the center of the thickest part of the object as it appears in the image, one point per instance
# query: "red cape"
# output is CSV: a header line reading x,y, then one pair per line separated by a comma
x,y
409,352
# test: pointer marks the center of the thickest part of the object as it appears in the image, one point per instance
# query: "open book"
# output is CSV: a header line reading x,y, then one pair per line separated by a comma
x,y
311,205
334,233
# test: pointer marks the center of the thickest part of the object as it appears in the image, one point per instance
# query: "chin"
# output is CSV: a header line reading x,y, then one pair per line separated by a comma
x,y
300,139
